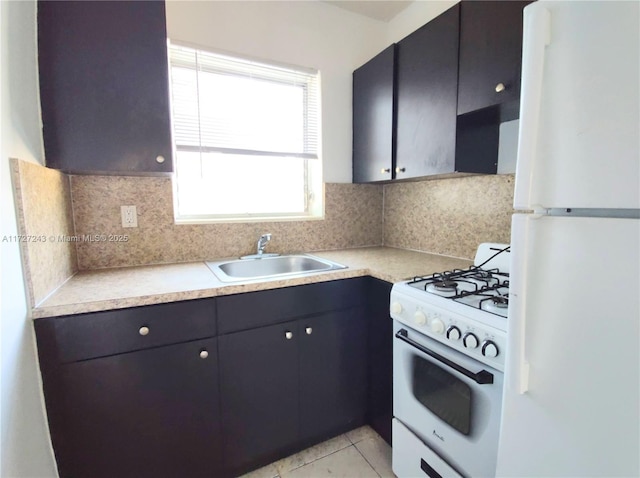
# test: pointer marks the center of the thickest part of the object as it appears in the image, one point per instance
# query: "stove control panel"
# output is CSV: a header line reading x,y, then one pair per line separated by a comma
x,y
463,329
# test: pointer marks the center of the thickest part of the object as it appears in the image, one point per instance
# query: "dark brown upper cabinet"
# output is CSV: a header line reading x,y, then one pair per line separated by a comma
x,y
104,86
373,118
427,86
490,56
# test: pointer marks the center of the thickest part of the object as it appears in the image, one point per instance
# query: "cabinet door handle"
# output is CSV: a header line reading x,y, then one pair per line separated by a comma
x,y
204,354
500,87
159,159
308,330
288,335
144,331
385,170
400,170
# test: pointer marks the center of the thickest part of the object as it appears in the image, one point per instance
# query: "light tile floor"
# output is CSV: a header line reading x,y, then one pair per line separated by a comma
x,y
360,453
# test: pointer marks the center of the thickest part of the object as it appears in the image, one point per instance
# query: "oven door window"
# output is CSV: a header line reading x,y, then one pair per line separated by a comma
x,y
445,395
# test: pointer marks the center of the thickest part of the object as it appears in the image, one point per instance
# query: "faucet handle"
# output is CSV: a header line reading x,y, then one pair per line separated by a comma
x,y
262,243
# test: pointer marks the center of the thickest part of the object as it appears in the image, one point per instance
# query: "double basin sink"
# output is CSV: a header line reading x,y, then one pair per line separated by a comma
x,y
270,267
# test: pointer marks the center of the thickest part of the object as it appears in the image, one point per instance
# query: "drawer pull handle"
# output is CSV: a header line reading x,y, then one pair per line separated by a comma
x,y
204,354
308,330
500,87
385,170
400,170
143,331
288,335
159,159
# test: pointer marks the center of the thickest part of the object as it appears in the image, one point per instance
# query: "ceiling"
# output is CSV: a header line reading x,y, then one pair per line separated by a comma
x,y
379,10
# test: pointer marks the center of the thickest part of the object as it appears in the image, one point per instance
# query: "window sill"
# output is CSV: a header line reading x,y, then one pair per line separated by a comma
x,y
246,219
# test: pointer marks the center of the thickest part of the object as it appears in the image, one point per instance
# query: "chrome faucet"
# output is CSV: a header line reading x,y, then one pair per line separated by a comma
x,y
262,243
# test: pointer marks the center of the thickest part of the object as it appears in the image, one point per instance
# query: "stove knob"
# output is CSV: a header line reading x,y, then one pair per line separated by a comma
x,y
396,308
419,318
453,333
437,326
470,341
489,349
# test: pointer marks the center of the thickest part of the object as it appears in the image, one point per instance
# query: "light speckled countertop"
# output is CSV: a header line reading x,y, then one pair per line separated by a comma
x,y
105,289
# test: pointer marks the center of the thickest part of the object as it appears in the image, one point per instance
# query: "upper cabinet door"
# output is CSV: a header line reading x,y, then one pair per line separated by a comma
x,y
373,110
427,62
104,86
490,55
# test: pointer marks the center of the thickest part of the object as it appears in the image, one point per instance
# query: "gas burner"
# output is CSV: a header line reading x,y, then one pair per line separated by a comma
x,y
500,302
480,275
443,287
498,305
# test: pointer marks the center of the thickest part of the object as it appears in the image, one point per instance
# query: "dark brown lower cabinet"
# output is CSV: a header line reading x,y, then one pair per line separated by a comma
x,y
259,386
290,385
150,413
380,358
290,368
333,378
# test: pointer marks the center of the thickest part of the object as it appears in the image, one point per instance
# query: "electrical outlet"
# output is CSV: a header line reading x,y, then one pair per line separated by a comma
x,y
129,216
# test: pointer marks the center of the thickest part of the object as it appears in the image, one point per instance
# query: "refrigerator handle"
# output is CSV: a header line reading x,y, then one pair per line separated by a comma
x,y
517,369
536,36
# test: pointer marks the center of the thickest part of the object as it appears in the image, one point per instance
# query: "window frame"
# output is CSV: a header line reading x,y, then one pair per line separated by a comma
x,y
312,166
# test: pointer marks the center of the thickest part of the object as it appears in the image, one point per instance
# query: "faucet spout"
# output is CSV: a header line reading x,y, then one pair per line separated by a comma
x,y
262,243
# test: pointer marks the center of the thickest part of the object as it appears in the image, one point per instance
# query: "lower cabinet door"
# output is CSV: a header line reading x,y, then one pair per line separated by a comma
x,y
259,392
333,373
151,413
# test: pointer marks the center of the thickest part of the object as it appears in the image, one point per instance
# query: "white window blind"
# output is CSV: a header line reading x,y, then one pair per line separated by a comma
x,y
242,106
246,136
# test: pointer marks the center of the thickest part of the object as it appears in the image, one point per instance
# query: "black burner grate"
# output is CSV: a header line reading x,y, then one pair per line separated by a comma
x,y
485,283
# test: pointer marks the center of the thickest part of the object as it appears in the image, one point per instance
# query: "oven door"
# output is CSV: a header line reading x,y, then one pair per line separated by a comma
x,y
450,401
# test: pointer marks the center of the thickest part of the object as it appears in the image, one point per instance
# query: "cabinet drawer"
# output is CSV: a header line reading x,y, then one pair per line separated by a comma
x,y
256,309
85,336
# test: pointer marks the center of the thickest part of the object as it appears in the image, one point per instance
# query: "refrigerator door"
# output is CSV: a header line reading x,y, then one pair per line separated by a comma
x,y
579,137
574,324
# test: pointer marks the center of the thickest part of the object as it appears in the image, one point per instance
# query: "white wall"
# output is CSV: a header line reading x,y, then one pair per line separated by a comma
x,y
311,34
414,16
25,449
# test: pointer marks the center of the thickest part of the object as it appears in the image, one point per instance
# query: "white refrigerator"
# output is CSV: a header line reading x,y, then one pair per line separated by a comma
x,y
572,378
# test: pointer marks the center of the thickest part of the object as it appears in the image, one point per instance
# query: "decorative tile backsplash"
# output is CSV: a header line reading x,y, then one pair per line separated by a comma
x,y
353,218
444,216
45,223
448,216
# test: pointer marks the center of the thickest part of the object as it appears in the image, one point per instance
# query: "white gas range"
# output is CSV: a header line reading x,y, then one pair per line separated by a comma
x,y
449,348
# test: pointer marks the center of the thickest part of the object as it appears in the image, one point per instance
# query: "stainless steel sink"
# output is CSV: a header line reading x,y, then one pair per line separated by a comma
x,y
271,267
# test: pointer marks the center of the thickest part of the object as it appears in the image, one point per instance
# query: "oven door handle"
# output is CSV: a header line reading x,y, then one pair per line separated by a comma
x,y
482,377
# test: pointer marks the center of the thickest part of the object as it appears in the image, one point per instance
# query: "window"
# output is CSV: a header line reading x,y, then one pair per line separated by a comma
x,y
246,136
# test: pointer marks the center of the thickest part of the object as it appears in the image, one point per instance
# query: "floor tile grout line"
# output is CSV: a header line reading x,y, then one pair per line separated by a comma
x,y
320,457
361,439
368,462
350,441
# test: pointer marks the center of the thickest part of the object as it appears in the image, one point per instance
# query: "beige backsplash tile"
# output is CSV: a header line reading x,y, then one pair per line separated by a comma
x,y
43,206
353,216
448,216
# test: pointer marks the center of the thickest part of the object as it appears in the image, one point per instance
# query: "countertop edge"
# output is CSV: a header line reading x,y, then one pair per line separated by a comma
x,y
76,296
